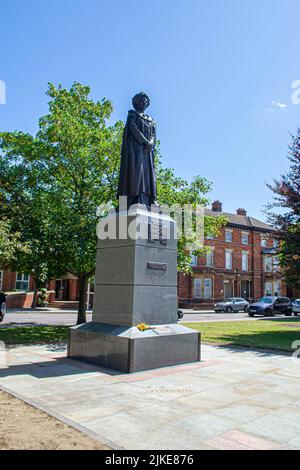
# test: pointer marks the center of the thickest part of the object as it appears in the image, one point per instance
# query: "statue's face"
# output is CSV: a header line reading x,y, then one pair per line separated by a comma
x,y
142,104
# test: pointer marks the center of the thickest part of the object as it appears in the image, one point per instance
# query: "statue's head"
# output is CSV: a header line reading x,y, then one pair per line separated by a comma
x,y
140,102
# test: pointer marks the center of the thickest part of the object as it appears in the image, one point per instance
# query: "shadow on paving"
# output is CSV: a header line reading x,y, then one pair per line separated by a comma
x,y
259,352
60,367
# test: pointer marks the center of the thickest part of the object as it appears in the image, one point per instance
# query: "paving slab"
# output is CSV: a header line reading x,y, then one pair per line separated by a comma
x,y
243,439
234,399
274,428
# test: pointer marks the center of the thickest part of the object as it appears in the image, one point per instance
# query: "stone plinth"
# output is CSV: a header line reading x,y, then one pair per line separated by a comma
x,y
135,282
129,350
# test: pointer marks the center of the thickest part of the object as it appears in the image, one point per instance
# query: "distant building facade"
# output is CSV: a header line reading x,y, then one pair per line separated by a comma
x,y
242,262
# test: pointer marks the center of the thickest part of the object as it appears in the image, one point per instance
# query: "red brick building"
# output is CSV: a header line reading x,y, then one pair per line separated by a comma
x,y
242,262
20,287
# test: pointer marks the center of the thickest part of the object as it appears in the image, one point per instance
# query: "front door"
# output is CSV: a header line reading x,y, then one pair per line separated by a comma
x,y
246,289
58,289
62,289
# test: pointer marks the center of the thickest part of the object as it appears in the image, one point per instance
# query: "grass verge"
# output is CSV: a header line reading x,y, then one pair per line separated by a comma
x,y
268,334
34,334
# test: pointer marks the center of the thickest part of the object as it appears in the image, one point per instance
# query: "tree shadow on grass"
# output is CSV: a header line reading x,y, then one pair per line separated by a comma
x,y
282,319
266,342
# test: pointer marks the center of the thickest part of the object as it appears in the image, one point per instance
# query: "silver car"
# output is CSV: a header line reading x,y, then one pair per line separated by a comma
x,y
232,304
296,307
2,311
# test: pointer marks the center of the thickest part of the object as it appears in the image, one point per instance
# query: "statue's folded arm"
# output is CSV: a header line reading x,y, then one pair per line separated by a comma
x,y
136,132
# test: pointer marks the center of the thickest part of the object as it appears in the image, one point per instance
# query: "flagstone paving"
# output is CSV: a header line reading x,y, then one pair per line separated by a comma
x,y
234,399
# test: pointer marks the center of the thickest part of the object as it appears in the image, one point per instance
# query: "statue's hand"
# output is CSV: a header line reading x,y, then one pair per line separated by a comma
x,y
149,145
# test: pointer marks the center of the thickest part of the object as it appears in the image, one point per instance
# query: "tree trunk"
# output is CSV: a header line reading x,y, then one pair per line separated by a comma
x,y
35,298
36,293
83,285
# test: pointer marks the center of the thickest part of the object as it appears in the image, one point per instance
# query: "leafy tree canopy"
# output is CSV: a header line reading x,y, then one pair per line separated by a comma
x,y
286,191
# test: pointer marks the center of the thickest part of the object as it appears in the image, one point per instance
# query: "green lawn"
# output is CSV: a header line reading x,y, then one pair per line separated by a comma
x,y
270,334
33,334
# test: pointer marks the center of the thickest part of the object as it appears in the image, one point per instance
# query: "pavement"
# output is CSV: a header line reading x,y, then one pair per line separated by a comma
x,y
234,399
47,316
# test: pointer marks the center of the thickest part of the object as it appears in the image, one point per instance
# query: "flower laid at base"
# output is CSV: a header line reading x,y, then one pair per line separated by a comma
x,y
144,327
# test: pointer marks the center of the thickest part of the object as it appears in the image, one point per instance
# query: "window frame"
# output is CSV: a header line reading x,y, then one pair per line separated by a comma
x,y
23,281
231,235
276,264
245,254
263,242
200,284
245,234
231,259
266,258
265,288
210,287
277,287
212,257
194,260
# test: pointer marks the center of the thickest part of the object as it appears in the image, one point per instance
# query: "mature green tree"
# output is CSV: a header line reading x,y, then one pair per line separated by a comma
x,y
25,202
12,204
10,244
286,191
72,164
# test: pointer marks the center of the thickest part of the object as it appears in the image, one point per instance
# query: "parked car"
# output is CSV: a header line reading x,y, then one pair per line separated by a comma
x,y
180,314
2,311
232,304
269,306
296,307
2,305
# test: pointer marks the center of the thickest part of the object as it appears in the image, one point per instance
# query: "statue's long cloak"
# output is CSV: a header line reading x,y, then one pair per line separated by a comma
x,y
137,172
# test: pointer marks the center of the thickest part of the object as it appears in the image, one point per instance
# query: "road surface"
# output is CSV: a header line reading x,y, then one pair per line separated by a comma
x,y
31,317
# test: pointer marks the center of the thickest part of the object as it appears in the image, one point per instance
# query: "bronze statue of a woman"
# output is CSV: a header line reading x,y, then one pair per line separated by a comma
x,y
137,173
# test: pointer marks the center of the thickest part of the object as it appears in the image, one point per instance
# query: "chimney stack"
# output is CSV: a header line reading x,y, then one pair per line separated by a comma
x,y
241,212
217,206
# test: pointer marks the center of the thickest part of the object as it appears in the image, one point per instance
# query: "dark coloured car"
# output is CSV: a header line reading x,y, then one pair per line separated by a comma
x,y
180,314
296,307
2,306
270,306
2,311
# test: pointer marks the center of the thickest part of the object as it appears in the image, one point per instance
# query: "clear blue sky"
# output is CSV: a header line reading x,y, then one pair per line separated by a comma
x,y
214,69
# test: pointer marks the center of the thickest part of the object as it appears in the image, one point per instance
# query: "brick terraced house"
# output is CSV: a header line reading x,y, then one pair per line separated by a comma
x,y
20,289
242,262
